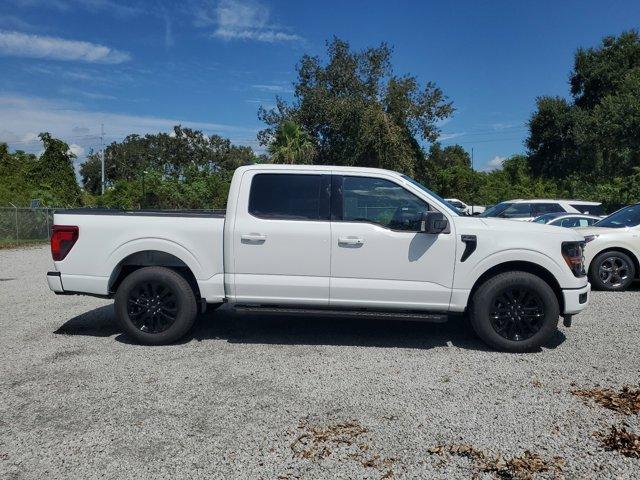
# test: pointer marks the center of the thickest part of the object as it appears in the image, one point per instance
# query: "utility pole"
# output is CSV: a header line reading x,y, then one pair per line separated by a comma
x,y
102,153
473,199
472,159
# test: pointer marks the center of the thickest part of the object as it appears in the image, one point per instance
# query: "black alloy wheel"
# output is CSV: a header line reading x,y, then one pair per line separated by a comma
x,y
152,306
155,305
517,313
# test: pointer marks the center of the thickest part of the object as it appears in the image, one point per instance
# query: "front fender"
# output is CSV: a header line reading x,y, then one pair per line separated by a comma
x,y
560,272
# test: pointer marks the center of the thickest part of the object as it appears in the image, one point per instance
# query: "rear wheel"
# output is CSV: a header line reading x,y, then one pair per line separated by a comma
x,y
515,311
612,271
155,305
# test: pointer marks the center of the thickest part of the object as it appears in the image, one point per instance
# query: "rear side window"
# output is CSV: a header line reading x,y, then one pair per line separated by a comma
x,y
542,208
588,209
290,196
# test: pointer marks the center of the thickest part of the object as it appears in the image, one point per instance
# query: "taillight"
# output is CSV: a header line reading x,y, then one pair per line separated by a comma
x,y
573,253
63,237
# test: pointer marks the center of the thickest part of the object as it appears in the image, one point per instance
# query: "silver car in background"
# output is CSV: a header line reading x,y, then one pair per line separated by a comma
x,y
567,220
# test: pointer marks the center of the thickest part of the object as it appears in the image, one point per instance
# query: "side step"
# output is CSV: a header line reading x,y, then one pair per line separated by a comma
x,y
434,317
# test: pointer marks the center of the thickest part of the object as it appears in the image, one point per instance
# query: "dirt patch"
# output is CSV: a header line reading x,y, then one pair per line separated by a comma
x,y
620,440
523,467
340,441
626,401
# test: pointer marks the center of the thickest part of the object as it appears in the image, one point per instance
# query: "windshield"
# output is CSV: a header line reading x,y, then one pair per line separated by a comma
x,y
625,217
545,218
496,210
451,208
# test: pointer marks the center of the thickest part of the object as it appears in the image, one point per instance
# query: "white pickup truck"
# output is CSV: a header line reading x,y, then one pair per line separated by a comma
x,y
324,240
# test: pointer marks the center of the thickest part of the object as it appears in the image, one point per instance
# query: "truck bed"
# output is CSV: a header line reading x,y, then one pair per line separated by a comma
x,y
112,239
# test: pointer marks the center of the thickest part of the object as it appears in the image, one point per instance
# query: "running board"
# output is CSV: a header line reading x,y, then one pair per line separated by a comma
x,y
434,317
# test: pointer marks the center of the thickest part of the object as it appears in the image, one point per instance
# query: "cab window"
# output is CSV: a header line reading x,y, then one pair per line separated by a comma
x,y
380,201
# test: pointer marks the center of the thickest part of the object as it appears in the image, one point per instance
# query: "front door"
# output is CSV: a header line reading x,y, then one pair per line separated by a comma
x,y
378,256
281,239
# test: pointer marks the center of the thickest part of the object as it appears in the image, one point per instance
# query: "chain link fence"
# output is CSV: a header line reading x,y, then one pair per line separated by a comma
x,y
24,225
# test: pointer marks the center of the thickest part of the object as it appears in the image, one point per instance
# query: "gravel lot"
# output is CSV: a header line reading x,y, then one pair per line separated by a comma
x,y
253,396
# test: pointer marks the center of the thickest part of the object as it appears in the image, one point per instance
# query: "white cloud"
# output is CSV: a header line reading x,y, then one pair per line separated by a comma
x,y
272,88
244,20
449,136
77,150
36,46
21,116
494,164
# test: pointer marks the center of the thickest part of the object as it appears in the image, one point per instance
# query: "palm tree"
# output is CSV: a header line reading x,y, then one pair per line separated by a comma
x,y
292,144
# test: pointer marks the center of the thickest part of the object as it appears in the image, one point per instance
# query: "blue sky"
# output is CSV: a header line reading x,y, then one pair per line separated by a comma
x,y
66,66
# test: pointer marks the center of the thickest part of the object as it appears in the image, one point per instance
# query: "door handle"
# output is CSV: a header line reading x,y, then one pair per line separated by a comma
x,y
253,238
351,241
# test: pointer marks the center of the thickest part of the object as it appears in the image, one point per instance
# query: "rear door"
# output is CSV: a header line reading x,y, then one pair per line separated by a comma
x,y
281,238
378,256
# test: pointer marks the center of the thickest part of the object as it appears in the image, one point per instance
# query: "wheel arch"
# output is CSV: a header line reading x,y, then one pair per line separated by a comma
x,y
151,258
522,266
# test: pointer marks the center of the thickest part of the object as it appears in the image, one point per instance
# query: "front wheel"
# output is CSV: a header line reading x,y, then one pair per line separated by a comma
x,y
155,305
515,311
612,271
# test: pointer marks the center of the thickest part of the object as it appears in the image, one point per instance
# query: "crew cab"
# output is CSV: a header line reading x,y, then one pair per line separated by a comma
x,y
323,240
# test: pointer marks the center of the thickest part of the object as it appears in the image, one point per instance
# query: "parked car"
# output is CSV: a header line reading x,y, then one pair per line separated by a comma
x,y
464,208
612,252
569,220
527,210
329,240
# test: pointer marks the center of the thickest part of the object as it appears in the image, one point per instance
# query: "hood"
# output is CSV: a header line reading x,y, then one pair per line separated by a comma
x,y
600,230
525,228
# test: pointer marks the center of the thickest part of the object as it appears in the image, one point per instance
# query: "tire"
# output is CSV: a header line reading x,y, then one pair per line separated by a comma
x,y
515,312
155,306
612,271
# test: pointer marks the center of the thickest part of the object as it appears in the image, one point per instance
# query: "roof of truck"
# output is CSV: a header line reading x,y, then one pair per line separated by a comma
x,y
271,166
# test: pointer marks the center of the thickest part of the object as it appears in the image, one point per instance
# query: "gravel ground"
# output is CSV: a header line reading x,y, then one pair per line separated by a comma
x,y
254,396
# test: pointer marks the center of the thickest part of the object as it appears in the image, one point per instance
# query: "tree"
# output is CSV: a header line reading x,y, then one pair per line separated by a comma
x,y
184,169
596,136
53,176
291,145
358,112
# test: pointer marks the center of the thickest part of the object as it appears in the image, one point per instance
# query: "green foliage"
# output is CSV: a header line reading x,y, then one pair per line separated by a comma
x,y
591,145
50,178
358,112
185,169
291,145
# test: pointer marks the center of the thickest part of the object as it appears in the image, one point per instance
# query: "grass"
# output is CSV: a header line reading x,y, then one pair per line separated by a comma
x,y
12,243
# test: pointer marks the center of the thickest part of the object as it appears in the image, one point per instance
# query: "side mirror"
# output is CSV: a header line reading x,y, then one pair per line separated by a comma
x,y
433,222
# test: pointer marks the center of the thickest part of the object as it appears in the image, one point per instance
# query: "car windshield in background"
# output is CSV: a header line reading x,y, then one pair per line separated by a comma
x,y
546,217
625,217
496,210
453,209
589,209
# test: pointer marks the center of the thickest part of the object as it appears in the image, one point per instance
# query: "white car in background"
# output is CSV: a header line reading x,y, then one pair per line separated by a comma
x,y
567,220
527,210
464,208
612,253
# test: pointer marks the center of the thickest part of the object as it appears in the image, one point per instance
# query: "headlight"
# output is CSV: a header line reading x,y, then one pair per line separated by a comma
x,y
589,238
573,254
